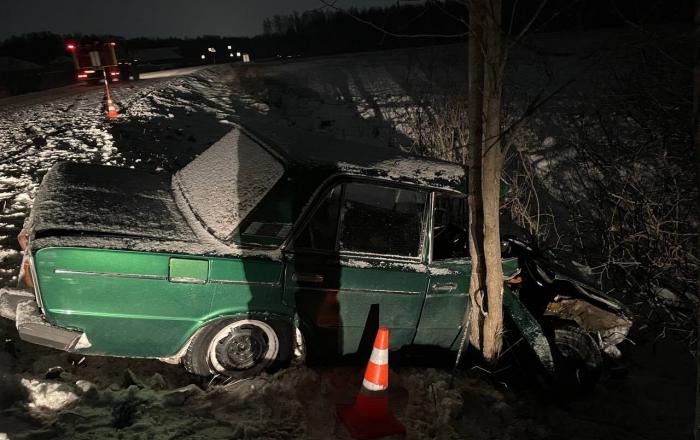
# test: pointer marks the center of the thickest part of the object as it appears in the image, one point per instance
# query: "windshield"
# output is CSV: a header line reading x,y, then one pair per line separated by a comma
x,y
227,181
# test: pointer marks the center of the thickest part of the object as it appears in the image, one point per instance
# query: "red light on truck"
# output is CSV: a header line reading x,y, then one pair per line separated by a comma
x,y
112,44
70,47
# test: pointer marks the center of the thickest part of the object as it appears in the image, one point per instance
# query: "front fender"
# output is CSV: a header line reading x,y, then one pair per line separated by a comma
x,y
529,328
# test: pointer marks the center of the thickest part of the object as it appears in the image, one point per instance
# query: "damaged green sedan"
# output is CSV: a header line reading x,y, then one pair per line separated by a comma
x,y
262,245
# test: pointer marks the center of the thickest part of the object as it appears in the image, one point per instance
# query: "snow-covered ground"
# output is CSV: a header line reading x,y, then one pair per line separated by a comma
x,y
163,124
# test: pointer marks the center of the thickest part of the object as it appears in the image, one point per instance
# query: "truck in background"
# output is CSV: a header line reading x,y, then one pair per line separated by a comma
x,y
97,60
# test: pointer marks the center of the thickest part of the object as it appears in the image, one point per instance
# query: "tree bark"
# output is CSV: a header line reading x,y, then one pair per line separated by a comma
x,y
492,162
695,120
476,224
485,164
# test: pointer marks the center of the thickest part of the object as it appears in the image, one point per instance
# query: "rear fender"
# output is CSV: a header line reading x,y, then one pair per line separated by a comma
x,y
277,321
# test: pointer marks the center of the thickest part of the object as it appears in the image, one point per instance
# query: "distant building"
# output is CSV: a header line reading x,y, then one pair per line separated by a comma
x,y
159,58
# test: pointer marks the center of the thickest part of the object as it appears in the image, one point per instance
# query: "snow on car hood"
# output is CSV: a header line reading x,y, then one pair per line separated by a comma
x,y
102,200
227,181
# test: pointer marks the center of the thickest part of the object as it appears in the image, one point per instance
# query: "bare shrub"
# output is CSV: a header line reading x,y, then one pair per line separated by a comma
x,y
606,178
439,128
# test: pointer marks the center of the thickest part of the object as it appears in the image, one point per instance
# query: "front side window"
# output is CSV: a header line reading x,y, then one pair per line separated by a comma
x,y
381,220
366,218
320,232
450,225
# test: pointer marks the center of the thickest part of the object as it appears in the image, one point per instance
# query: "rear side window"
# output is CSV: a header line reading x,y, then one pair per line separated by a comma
x,y
381,220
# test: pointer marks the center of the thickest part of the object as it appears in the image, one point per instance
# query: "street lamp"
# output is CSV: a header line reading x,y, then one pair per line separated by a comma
x,y
213,51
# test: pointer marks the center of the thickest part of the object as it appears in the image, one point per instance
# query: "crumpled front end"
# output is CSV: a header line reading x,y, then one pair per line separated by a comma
x,y
554,295
609,327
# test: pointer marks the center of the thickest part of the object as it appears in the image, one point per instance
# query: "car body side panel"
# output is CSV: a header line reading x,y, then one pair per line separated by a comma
x,y
445,302
351,296
247,285
124,301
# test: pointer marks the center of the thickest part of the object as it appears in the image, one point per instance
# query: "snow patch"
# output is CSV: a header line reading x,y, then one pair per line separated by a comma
x,y
442,271
6,253
49,395
359,264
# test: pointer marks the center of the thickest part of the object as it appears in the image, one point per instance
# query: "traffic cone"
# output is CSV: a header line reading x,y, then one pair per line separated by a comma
x,y
111,110
369,416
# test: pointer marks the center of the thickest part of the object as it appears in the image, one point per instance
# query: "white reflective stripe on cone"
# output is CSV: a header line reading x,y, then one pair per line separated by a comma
x,y
372,386
379,356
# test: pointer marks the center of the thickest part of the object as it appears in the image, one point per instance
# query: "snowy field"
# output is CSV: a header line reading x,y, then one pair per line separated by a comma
x,y
165,122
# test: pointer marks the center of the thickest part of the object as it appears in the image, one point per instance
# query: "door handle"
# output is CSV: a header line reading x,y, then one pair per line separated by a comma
x,y
443,287
308,278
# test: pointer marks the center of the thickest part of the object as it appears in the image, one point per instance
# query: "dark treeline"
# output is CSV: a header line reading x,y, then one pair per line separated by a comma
x,y
328,31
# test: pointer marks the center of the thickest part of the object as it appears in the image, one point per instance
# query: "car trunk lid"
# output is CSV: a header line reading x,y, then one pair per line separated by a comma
x,y
86,199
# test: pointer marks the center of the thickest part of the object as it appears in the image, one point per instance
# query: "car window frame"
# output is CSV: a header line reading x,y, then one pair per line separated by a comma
x,y
430,259
318,198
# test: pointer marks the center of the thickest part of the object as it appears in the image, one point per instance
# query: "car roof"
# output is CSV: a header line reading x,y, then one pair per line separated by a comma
x,y
301,150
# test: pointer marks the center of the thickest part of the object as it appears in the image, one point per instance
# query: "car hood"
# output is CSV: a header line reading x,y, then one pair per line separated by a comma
x,y
85,199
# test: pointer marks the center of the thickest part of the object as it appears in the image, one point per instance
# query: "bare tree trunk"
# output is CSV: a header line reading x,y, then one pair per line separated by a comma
x,y
696,127
485,164
475,201
492,164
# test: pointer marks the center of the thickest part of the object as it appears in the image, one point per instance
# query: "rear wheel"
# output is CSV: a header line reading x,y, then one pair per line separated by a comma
x,y
237,348
577,359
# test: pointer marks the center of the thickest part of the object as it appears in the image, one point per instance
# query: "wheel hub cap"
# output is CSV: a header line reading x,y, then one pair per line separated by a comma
x,y
241,349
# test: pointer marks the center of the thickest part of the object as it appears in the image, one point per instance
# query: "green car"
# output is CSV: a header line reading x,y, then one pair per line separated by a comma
x,y
264,245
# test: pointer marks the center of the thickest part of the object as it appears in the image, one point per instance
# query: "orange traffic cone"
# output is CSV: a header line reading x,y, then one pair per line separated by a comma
x,y
369,416
111,110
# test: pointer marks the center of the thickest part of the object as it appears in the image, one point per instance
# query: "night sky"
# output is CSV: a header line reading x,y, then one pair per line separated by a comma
x,y
151,18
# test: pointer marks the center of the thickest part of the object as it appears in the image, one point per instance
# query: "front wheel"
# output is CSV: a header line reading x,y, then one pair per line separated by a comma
x,y
577,359
237,348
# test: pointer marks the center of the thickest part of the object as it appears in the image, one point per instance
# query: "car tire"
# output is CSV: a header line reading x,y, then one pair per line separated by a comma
x,y
578,360
239,348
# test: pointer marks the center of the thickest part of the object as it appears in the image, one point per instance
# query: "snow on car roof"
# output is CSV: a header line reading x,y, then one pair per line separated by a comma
x,y
303,148
223,184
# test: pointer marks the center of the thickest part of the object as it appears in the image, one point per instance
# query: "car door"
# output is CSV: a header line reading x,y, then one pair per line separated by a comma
x,y
449,270
356,263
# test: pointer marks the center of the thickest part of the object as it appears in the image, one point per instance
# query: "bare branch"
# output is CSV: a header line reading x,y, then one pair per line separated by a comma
x,y
512,16
649,34
386,32
529,24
